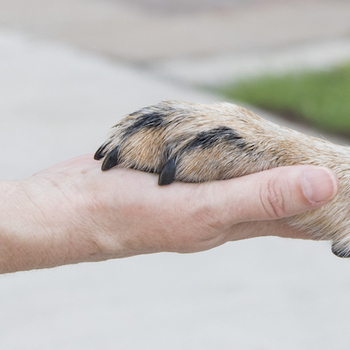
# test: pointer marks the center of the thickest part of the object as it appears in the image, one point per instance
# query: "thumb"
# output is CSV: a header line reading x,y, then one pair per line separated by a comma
x,y
278,193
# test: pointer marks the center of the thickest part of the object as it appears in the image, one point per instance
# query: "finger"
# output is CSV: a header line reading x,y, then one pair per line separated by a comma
x,y
274,194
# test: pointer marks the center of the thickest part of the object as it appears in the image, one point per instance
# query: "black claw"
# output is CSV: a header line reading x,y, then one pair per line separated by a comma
x,y
100,152
341,252
167,175
111,160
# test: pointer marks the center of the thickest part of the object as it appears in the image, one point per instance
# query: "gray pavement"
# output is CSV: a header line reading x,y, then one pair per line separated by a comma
x,y
150,38
61,88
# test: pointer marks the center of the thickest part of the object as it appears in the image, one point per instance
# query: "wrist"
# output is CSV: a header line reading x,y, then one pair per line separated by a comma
x,y
40,226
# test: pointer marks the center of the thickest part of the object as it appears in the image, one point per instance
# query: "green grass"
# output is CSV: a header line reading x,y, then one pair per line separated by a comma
x,y
321,98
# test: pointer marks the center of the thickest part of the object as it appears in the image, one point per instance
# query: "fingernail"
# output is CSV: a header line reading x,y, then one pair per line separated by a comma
x,y
319,185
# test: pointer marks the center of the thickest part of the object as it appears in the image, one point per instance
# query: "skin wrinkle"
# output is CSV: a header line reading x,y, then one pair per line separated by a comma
x,y
91,205
14,260
273,201
65,194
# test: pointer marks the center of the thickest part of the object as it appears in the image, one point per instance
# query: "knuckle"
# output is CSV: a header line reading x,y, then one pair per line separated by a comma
x,y
206,213
207,216
272,196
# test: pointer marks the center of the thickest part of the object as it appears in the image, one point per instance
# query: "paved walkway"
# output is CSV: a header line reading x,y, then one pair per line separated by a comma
x,y
66,76
202,42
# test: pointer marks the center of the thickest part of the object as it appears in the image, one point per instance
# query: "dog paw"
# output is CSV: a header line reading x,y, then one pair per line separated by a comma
x,y
178,141
196,143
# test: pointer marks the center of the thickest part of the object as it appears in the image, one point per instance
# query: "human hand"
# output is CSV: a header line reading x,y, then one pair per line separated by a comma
x,y
73,212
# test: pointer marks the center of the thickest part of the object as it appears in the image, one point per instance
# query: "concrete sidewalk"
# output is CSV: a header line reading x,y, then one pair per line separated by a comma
x,y
193,42
58,102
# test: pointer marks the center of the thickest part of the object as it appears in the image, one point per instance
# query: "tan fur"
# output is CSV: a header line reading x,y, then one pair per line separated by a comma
x,y
260,145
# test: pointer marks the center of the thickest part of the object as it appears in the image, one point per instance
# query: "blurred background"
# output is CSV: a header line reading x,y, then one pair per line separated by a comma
x,y
70,69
